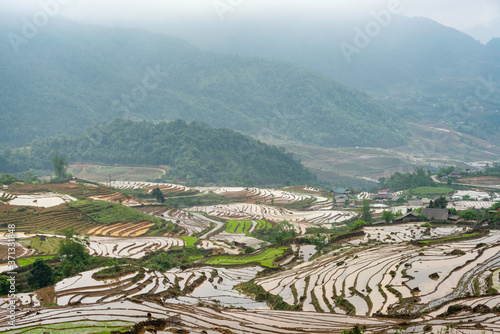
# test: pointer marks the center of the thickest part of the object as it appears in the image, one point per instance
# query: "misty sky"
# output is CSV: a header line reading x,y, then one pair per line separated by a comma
x,y
478,18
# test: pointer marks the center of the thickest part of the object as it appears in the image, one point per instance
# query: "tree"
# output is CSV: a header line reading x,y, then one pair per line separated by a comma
x,y
440,203
366,213
71,248
4,285
388,216
7,179
158,195
41,275
29,177
60,165
469,215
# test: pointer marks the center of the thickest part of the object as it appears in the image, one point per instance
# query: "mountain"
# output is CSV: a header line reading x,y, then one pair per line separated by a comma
x,y
416,65
70,76
195,153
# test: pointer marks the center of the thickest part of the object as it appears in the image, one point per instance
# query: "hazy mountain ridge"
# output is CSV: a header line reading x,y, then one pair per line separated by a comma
x,y
90,74
413,63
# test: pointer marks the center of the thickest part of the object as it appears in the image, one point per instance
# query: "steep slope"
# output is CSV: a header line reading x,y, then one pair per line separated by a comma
x,y
195,153
415,64
69,76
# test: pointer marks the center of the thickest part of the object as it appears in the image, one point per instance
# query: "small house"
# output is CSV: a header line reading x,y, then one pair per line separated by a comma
x,y
409,217
384,194
435,214
341,200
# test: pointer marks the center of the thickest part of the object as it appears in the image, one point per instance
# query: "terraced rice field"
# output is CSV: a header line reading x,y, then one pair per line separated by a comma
x,y
87,217
20,250
300,219
44,200
133,229
196,319
365,195
77,190
192,223
375,278
108,213
469,205
263,195
51,219
265,258
246,226
118,197
216,287
407,232
134,248
76,327
41,244
474,195
164,187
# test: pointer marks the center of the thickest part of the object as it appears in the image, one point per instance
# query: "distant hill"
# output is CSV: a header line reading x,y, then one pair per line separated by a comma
x,y
70,76
429,71
195,152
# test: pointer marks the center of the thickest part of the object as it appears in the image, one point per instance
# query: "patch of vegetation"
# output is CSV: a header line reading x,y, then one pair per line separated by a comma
x,y
266,258
355,330
402,181
303,204
260,295
176,256
115,271
394,291
458,252
243,226
465,236
41,244
189,240
77,327
30,260
199,200
108,213
426,191
345,305
278,235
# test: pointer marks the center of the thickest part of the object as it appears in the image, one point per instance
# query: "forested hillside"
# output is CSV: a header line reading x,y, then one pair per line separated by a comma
x,y
195,152
71,76
432,71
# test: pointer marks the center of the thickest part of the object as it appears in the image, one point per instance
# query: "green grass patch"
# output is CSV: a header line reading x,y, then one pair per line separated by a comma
x,y
42,246
109,213
29,260
423,191
75,327
231,226
266,258
189,240
263,225
243,226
